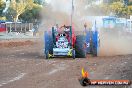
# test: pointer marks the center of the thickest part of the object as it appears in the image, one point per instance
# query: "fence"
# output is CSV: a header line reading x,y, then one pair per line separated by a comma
x,y
19,27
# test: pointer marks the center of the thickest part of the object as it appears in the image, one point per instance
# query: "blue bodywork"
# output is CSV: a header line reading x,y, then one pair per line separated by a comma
x,y
92,43
92,40
48,41
109,22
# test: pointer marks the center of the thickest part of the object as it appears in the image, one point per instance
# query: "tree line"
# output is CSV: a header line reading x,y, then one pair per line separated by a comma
x,y
119,8
29,10
20,10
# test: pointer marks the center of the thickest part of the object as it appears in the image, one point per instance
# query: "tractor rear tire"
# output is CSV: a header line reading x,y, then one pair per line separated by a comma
x,y
73,54
47,55
48,44
51,44
94,51
80,46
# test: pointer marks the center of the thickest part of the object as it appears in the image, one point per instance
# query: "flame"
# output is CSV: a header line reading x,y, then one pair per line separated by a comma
x,y
84,73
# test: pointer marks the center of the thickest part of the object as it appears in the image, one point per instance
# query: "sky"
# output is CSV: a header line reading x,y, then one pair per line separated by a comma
x,y
48,1
61,5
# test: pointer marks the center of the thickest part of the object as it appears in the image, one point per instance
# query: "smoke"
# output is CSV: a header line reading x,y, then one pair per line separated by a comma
x,y
59,12
115,42
61,6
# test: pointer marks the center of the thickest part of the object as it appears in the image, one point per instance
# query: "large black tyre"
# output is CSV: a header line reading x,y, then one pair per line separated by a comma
x,y
47,54
80,46
73,54
94,51
51,44
48,44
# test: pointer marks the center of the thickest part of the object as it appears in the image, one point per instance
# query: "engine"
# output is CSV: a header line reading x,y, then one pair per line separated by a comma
x,y
62,42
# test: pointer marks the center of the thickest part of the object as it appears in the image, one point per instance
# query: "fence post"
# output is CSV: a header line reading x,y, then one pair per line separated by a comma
x,y
21,27
10,28
6,28
25,29
29,25
15,27
130,26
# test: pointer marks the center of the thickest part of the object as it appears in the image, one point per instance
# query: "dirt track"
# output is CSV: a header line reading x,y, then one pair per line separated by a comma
x,y
25,67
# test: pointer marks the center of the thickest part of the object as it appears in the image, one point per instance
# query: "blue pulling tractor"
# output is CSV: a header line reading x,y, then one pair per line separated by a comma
x,y
63,42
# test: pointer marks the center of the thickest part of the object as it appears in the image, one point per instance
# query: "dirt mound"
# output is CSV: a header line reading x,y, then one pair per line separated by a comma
x,y
15,43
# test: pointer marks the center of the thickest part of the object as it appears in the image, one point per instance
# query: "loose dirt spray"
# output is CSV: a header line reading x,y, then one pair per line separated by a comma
x,y
59,12
117,42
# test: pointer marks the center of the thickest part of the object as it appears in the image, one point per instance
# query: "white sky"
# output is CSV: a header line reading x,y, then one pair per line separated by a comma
x,y
61,5
48,1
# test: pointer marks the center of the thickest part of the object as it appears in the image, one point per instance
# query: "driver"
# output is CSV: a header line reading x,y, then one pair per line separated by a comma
x,y
64,28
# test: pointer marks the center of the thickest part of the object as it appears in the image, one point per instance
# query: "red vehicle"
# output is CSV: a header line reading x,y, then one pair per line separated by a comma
x,y
64,42
2,27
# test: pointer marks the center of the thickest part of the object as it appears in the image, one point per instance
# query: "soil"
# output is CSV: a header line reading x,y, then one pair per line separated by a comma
x,y
22,65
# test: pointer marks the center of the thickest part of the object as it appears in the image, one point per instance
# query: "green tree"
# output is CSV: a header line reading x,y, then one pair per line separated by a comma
x,y
19,6
117,8
10,14
2,6
112,1
31,15
40,2
129,10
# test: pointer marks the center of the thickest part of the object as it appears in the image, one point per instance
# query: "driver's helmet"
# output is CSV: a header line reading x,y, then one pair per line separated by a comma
x,y
67,29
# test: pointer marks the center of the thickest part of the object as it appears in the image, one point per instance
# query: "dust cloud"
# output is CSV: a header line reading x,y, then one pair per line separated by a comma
x,y
115,43
59,12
